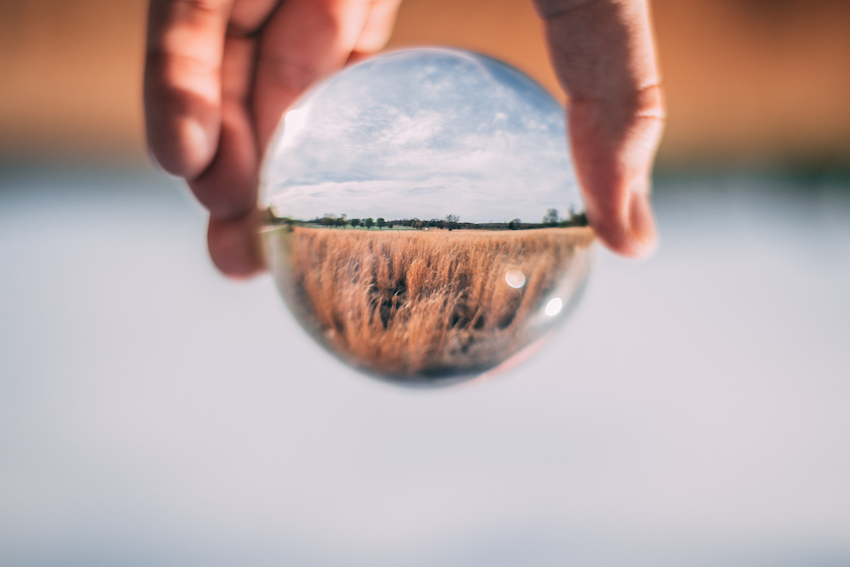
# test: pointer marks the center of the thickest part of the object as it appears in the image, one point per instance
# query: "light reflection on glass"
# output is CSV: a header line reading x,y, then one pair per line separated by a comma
x,y
515,279
554,306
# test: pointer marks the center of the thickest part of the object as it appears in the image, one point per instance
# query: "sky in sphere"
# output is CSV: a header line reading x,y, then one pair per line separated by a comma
x,y
423,134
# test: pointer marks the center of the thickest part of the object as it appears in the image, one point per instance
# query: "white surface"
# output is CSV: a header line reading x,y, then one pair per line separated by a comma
x,y
695,411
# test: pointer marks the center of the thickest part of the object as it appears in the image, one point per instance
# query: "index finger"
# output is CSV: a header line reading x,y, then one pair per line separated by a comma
x,y
182,88
603,53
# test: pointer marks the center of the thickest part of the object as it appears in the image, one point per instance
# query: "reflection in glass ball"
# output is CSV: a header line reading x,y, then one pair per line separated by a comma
x,y
423,221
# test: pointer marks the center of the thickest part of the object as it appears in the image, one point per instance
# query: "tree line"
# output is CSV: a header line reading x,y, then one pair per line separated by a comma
x,y
449,222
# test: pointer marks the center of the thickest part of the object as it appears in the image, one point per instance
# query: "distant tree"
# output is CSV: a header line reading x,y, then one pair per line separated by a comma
x,y
341,220
514,224
369,223
417,223
551,216
354,223
381,222
574,219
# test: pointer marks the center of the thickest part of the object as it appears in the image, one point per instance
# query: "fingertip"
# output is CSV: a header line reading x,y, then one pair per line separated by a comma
x,y
641,219
235,247
641,226
631,234
228,186
183,146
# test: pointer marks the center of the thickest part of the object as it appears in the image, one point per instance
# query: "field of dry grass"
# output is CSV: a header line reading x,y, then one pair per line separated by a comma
x,y
415,304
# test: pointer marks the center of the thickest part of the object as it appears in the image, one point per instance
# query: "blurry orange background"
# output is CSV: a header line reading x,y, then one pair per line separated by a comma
x,y
749,83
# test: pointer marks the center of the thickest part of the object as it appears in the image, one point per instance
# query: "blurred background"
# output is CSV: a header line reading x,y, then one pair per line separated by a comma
x,y
693,411
749,83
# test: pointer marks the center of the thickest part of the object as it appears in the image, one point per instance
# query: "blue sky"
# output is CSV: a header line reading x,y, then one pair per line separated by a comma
x,y
423,133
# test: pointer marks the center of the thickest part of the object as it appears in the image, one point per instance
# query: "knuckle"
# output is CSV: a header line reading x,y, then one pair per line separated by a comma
x,y
166,15
196,8
549,9
289,72
165,62
170,77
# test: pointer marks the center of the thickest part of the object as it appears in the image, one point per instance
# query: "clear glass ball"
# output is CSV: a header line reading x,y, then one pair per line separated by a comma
x,y
423,221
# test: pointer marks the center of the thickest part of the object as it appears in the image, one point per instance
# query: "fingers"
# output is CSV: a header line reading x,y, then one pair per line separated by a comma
x,y
378,27
603,53
182,86
228,187
215,91
613,163
248,16
303,41
234,245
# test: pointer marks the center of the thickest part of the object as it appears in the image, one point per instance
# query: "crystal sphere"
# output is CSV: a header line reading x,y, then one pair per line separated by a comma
x,y
422,217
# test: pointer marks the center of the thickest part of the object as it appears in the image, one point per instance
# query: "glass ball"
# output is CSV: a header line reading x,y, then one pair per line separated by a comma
x,y
422,217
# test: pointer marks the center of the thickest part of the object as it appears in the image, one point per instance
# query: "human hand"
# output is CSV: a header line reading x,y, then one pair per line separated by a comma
x,y
218,76
603,53
220,73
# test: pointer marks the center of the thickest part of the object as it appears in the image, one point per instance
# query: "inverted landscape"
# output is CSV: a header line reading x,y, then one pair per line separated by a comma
x,y
420,306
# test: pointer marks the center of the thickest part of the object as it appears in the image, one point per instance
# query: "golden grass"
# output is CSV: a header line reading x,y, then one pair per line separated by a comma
x,y
414,304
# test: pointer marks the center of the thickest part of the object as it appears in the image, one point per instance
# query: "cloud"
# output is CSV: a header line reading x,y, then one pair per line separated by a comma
x,y
423,133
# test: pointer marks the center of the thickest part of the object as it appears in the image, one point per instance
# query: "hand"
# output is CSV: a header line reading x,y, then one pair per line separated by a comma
x,y
604,56
218,76
220,73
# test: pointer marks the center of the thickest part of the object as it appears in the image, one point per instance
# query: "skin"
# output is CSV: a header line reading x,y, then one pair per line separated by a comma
x,y
220,73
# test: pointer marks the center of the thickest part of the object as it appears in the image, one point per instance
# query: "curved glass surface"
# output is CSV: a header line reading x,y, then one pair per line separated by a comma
x,y
423,221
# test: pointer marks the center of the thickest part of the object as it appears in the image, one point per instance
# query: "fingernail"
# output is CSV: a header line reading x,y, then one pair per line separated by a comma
x,y
641,224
